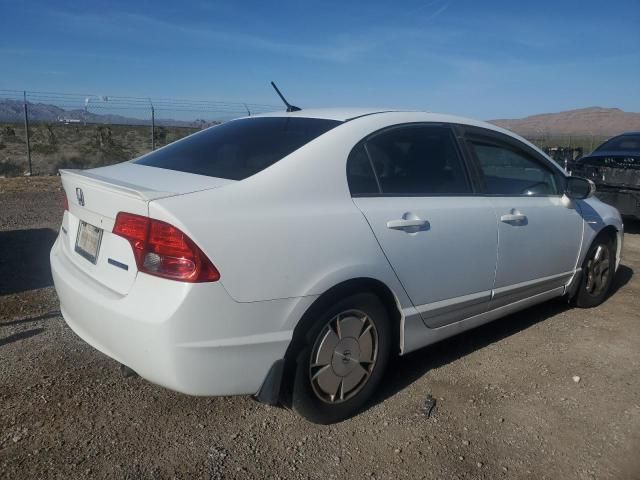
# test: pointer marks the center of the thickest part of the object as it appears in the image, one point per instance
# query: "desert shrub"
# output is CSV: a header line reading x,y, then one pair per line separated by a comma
x,y
69,162
8,169
8,131
81,160
161,135
8,135
44,148
103,137
51,136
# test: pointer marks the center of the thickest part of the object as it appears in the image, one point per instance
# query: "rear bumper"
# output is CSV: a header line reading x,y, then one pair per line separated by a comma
x,y
192,338
627,201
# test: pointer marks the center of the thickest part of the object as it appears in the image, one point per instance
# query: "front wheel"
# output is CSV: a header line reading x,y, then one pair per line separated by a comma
x,y
597,273
341,359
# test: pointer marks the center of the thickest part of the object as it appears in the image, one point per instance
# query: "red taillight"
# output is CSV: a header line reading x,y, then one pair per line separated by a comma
x,y
66,202
134,228
163,250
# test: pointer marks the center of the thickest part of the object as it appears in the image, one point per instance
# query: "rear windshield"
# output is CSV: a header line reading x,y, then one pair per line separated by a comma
x,y
623,143
240,148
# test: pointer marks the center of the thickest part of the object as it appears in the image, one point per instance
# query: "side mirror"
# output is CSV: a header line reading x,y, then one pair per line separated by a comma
x,y
579,188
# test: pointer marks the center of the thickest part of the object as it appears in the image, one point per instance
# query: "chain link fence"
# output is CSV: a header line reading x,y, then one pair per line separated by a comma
x,y
41,132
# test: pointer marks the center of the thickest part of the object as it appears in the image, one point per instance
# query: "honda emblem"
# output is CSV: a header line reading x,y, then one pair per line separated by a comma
x,y
80,196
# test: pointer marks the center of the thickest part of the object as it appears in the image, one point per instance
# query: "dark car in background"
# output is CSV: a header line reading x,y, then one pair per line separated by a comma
x,y
615,169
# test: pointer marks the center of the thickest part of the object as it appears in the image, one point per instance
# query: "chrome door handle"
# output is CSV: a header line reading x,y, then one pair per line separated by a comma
x,y
403,224
513,218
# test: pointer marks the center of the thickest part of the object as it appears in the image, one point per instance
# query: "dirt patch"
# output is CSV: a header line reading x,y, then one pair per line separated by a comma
x,y
507,403
30,185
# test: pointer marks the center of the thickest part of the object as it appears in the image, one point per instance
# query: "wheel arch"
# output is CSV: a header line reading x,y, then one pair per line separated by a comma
x,y
343,289
616,235
608,230
337,291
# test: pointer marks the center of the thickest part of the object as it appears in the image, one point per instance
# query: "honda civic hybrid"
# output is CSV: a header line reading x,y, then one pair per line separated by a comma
x,y
290,255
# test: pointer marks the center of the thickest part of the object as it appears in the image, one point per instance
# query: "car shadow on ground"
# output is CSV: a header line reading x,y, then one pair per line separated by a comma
x,y
24,259
631,226
623,276
405,370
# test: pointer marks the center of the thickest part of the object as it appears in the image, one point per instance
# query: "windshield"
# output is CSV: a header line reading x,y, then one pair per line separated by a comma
x,y
238,149
623,143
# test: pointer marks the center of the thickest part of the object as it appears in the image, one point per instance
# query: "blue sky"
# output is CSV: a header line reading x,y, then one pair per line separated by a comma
x,y
485,59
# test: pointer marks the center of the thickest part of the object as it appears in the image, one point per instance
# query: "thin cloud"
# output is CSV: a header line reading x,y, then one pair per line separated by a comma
x,y
117,24
342,48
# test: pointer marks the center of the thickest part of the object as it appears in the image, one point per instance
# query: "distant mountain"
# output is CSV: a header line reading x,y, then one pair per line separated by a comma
x,y
592,121
13,111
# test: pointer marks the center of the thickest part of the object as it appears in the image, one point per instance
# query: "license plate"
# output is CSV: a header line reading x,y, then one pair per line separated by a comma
x,y
88,241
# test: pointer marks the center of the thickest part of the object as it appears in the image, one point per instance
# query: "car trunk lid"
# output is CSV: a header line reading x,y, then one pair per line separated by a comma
x,y
96,196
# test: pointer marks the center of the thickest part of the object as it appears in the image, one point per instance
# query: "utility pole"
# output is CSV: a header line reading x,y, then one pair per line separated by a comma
x,y
26,129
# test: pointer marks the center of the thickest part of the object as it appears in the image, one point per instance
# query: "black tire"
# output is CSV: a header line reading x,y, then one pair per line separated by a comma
x,y
306,397
592,293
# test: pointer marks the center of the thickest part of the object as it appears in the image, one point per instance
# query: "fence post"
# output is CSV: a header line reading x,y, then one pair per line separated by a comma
x,y
86,110
153,126
26,129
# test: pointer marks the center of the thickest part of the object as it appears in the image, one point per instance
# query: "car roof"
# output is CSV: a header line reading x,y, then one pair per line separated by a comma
x,y
348,114
339,114
410,116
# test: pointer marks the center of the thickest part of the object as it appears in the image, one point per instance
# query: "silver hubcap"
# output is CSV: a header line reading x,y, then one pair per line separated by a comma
x,y
343,356
598,270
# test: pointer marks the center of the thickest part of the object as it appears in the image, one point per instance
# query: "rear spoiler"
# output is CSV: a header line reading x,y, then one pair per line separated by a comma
x,y
113,185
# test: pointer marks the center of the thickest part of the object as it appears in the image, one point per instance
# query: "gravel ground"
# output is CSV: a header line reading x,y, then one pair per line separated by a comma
x,y
509,400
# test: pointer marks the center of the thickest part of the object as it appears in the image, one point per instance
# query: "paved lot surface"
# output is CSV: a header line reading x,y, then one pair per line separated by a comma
x,y
507,405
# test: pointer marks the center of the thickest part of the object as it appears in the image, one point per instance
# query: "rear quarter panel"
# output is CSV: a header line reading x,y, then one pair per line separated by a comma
x,y
290,231
267,251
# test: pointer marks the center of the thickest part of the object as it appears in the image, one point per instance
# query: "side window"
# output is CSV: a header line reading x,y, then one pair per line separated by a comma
x,y
360,176
417,160
509,171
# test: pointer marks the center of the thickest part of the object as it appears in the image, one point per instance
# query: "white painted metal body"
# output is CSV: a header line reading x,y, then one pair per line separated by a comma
x,y
283,237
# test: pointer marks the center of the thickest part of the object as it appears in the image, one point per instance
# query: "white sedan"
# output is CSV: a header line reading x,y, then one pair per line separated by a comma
x,y
290,255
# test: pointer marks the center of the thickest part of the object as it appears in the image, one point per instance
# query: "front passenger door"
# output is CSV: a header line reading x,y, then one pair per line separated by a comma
x,y
413,188
539,230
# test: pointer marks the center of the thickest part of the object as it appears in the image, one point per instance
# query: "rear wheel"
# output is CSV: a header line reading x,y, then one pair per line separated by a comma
x,y
341,359
597,273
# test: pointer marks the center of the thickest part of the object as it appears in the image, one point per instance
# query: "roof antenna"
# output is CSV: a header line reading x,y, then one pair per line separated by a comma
x,y
290,108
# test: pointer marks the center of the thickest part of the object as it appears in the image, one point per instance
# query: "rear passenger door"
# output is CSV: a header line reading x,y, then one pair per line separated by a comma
x,y
539,231
412,186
